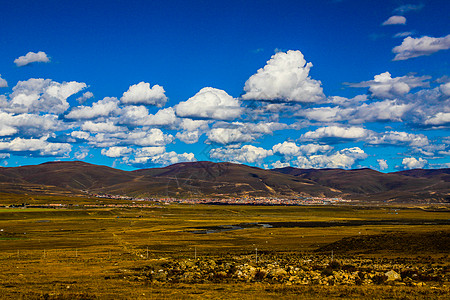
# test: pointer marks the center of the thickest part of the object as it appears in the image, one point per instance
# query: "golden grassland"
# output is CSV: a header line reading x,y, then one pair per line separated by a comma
x,y
83,253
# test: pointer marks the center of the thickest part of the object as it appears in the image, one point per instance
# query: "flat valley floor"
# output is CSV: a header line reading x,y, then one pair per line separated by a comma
x,y
225,252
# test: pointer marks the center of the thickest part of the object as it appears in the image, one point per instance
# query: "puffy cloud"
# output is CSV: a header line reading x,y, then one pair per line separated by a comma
x,y
290,149
149,151
399,138
210,103
382,164
29,124
439,119
413,163
107,126
3,82
238,132
395,20
81,135
278,164
162,117
415,47
383,86
337,132
261,127
105,137
426,106
37,94
152,137
226,136
31,57
246,154
344,158
6,130
285,77
189,137
40,147
192,130
101,108
315,148
345,102
139,115
141,93
387,110
81,154
408,7
286,148
191,125
84,97
324,114
158,156
117,151
133,114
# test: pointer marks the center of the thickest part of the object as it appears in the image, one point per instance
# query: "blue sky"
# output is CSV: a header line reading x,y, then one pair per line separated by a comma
x,y
310,84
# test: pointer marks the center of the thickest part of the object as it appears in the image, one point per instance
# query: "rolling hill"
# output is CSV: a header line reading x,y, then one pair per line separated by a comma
x,y
208,179
403,186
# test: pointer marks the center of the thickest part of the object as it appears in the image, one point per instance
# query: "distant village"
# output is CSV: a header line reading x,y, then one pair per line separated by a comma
x,y
237,200
150,201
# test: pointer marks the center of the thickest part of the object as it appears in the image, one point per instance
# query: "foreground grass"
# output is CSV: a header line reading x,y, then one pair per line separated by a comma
x,y
97,253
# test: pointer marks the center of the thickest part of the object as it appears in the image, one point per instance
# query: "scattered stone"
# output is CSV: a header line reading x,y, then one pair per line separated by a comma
x,y
392,276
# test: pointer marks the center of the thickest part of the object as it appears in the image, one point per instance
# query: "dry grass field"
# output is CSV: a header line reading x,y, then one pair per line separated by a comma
x,y
116,253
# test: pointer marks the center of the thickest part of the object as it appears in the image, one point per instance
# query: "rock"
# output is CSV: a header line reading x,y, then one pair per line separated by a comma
x,y
392,276
278,273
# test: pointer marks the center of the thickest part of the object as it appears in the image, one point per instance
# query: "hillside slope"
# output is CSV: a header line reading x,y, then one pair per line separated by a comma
x,y
208,179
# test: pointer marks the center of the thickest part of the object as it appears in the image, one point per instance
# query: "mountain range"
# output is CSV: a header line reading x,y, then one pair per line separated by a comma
x,y
208,179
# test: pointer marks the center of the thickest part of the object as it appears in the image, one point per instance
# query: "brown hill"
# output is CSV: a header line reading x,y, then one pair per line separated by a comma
x,y
71,175
442,174
180,180
405,186
227,179
207,179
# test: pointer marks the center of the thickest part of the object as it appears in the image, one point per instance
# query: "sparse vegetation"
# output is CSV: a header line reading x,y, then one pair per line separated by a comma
x,y
82,253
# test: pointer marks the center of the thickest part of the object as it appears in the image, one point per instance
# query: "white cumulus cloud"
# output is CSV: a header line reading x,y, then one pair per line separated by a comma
x,y
415,47
344,158
337,132
284,78
286,148
383,86
31,57
107,126
382,163
440,118
210,103
413,163
246,154
152,137
116,151
139,115
141,93
84,97
399,138
226,136
42,95
101,108
40,147
157,156
29,124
